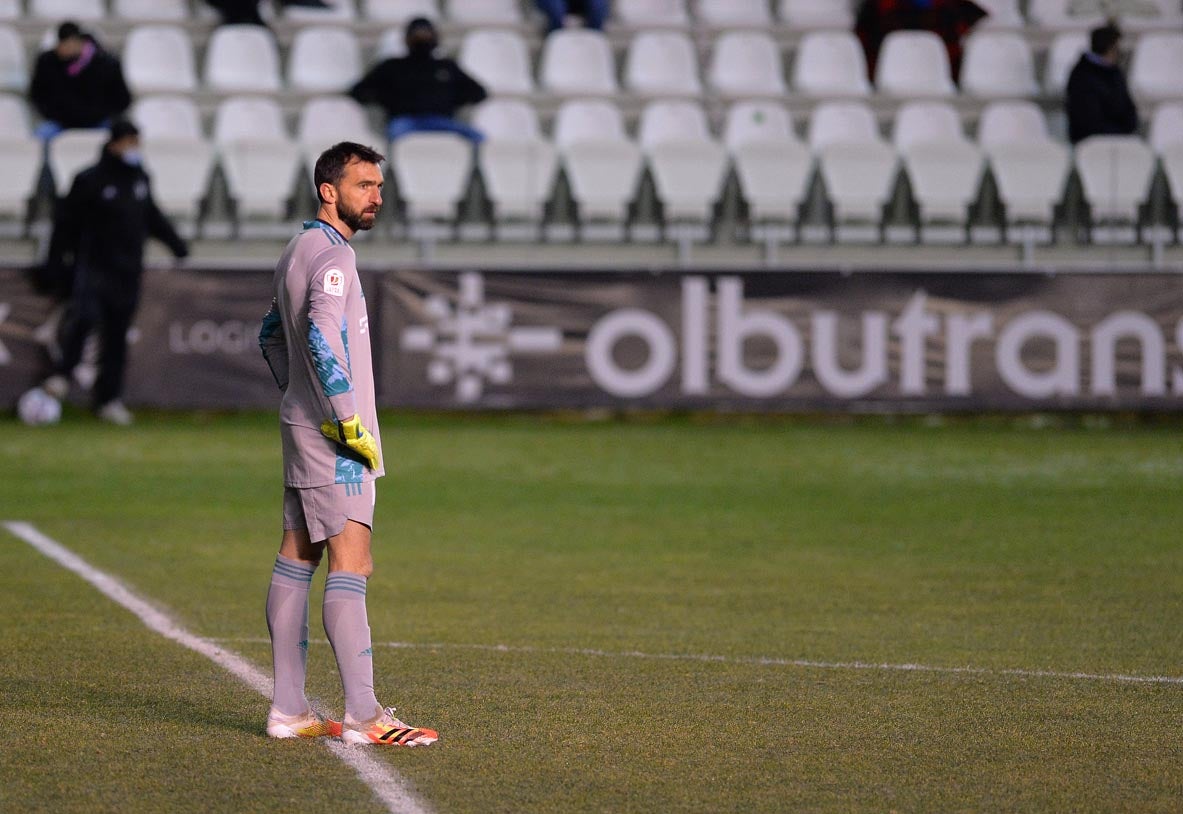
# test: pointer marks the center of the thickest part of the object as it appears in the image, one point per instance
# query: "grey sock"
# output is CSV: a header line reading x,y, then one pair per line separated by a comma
x,y
348,629
287,620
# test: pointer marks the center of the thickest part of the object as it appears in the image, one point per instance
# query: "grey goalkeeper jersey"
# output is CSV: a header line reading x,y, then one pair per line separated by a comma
x,y
316,340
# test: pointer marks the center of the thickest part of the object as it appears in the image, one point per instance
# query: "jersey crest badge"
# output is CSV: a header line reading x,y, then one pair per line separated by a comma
x,y
335,283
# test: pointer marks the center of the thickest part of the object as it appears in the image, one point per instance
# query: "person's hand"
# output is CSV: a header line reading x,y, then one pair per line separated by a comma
x,y
352,434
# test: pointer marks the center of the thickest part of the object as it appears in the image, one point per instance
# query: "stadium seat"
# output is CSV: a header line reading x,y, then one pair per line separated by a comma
x,y
14,67
688,166
1002,15
72,151
242,59
601,164
857,166
1166,125
10,9
734,13
339,11
326,120
830,64
913,65
1011,122
432,171
816,15
1132,15
1156,70
260,161
181,170
1060,15
20,162
650,13
1116,173
400,11
169,11
578,62
772,165
944,167
662,64
324,59
14,117
392,42
485,12
58,10
159,58
746,64
517,165
1062,56
998,65
499,60
167,116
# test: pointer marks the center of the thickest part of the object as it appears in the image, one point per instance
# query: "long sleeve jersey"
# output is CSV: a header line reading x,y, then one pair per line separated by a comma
x,y
316,340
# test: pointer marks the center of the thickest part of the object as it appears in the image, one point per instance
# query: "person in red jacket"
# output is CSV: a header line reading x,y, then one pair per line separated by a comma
x,y
951,20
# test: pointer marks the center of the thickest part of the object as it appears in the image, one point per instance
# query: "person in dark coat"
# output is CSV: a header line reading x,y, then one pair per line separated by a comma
x,y
99,232
951,20
420,92
77,84
1098,99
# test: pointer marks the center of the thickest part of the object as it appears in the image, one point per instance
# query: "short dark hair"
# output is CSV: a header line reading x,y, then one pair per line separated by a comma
x,y
1103,38
68,31
122,128
330,167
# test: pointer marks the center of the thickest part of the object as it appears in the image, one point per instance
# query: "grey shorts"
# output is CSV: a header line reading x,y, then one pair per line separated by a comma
x,y
323,510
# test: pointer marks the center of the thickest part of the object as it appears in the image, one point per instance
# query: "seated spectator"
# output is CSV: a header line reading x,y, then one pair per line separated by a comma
x,y
593,12
951,20
420,92
1098,99
76,84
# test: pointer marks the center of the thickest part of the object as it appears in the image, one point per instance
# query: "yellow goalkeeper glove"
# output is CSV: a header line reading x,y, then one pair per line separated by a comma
x,y
352,434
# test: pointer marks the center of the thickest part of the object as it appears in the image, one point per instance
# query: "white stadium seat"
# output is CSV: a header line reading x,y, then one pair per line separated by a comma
x,y
71,152
242,59
432,171
516,163
660,64
578,62
1116,173
998,65
1156,70
400,11
324,59
1062,56
259,159
857,166
746,64
485,12
14,117
1166,126
159,58
688,166
499,60
170,11
912,65
181,169
326,120
1060,15
1011,122
816,14
1029,168
14,67
338,11
944,167
772,165
20,158
1001,15
650,13
10,9
734,13
167,116
830,64
392,42
58,10
602,165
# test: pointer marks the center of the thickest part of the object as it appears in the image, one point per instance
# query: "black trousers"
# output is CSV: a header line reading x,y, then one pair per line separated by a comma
x,y
109,310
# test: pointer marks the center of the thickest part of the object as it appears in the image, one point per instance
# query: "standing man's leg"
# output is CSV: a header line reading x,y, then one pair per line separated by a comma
x,y
80,317
346,620
117,314
596,13
555,11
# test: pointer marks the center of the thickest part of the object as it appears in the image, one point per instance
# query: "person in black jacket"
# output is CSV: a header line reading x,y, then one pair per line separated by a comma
x,y
1098,100
420,91
99,231
76,84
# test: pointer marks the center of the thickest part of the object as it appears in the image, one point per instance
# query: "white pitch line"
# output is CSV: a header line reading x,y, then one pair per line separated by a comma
x,y
387,785
766,661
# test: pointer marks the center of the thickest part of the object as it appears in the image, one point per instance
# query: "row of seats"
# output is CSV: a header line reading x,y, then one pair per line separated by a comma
x,y
802,14
913,64
604,166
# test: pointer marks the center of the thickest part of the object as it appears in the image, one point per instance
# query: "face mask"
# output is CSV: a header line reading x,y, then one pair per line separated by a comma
x,y
422,47
132,158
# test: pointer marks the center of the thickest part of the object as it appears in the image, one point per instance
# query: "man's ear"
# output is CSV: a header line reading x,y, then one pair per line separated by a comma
x,y
328,193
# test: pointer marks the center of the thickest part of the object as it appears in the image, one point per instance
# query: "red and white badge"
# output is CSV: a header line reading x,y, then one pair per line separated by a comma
x,y
335,282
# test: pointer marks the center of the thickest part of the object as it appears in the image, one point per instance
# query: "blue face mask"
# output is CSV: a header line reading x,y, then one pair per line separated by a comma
x,y
132,158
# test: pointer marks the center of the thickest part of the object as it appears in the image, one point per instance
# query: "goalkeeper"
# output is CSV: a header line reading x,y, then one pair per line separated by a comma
x,y
316,340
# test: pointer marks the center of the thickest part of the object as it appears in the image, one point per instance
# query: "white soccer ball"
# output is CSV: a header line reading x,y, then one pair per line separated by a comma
x,y
37,408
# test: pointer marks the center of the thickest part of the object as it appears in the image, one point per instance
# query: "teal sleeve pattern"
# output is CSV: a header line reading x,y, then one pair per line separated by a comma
x,y
334,381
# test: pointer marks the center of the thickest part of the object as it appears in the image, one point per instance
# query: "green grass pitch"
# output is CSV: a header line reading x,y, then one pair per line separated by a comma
x,y
656,585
